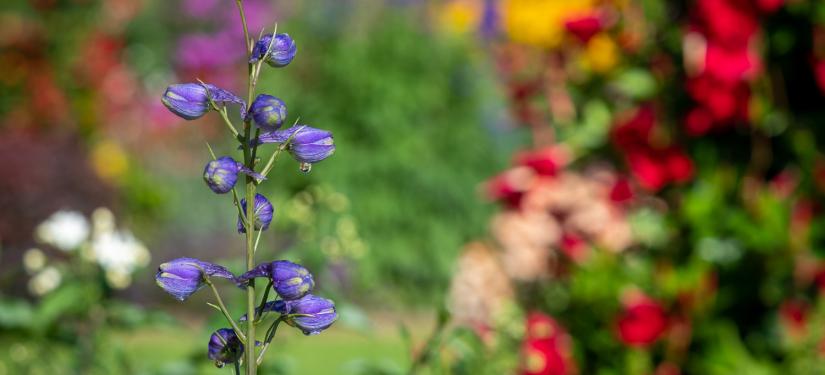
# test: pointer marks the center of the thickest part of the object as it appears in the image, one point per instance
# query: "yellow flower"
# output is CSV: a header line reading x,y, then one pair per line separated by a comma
x,y
601,54
109,160
540,22
460,16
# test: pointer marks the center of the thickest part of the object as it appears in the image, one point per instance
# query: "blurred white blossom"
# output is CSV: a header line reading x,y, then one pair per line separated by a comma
x,y
45,281
65,230
118,253
34,260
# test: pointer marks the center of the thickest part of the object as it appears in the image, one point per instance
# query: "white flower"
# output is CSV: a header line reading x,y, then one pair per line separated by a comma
x,y
45,281
119,253
34,260
65,230
103,221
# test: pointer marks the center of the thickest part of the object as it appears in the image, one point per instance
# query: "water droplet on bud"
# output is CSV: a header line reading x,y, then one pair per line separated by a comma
x,y
219,364
306,167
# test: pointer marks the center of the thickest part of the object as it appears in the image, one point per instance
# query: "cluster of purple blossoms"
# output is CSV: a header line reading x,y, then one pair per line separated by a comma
x,y
292,283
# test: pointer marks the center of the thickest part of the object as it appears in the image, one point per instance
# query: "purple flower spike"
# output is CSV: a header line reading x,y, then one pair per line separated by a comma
x,y
191,100
221,174
311,314
268,112
263,213
183,277
308,145
291,281
281,53
225,347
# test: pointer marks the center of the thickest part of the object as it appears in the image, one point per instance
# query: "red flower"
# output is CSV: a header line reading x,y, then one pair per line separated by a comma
x,y
584,27
652,165
730,22
769,6
509,186
636,130
793,315
656,168
546,349
642,322
819,73
545,162
574,247
621,191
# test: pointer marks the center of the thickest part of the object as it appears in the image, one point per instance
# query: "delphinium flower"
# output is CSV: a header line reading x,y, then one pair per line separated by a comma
x,y
307,145
310,313
291,282
225,347
268,112
191,101
183,277
277,51
221,174
263,213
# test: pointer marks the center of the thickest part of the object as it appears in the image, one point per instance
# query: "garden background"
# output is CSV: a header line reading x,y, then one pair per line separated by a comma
x,y
519,186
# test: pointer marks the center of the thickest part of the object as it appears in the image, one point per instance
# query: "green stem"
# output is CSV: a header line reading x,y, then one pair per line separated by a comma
x,y
228,122
251,364
225,311
259,316
281,148
270,334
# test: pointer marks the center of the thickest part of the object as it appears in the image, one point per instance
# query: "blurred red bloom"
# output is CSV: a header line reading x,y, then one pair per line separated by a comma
x,y
546,349
642,322
793,315
621,191
653,166
545,162
574,247
722,37
509,186
769,6
584,27
819,73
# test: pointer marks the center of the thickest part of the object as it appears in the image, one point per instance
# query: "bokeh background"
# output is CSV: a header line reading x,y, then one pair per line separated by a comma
x,y
519,187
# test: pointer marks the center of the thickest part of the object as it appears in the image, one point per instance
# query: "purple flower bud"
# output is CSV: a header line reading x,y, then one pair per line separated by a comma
x,y
187,100
268,112
191,100
221,174
311,314
263,213
281,50
225,347
184,276
308,145
291,281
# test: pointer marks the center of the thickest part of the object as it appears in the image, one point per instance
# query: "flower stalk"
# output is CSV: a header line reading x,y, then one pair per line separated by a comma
x,y
292,282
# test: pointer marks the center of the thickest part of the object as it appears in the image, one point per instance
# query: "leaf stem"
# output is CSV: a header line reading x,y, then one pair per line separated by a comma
x,y
259,315
270,334
224,310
